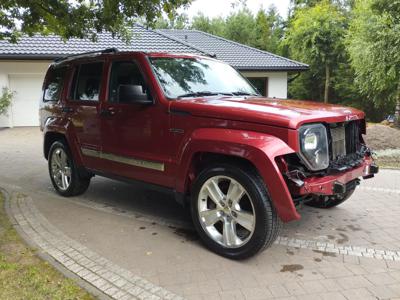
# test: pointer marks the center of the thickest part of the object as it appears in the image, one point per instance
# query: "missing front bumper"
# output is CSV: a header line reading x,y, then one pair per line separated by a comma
x,y
333,184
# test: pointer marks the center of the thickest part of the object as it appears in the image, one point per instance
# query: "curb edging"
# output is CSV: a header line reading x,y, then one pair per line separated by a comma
x,y
97,274
45,256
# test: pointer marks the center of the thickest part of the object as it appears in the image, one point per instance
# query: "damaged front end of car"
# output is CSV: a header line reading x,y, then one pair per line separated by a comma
x,y
331,160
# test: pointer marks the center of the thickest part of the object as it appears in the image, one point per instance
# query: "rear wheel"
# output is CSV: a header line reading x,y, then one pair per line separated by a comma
x,y
232,211
329,201
64,174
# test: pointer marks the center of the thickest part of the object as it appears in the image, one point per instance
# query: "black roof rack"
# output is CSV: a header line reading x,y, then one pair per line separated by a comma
x,y
107,50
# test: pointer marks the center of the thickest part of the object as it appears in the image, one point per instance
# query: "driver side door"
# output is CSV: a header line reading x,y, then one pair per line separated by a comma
x,y
133,133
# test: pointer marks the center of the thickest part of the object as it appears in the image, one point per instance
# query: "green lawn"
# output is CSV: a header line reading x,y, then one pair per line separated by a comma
x,y
23,275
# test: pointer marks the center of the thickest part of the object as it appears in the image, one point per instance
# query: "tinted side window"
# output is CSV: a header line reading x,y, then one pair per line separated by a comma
x,y
54,83
86,82
124,73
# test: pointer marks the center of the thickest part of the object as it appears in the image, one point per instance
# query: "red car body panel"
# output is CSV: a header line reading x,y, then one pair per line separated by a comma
x,y
170,133
282,113
258,148
324,185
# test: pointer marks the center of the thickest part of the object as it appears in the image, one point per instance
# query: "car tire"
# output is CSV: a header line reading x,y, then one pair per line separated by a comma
x,y
65,176
244,225
329,201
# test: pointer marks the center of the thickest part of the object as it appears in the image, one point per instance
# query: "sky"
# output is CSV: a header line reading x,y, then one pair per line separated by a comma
x,y
215,8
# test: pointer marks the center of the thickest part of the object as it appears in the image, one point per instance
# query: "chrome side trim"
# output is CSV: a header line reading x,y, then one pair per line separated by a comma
x,y
177,130
124,160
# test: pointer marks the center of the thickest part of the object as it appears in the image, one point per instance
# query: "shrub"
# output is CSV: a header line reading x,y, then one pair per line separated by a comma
x,y
5,99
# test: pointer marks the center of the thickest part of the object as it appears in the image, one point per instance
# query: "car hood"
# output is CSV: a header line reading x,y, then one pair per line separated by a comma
x,y
276,112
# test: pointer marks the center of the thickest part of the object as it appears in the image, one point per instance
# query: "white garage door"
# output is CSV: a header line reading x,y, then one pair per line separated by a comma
x,y
25,106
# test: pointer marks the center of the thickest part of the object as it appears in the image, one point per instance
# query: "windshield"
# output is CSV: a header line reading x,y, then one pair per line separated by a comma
x,y
190,77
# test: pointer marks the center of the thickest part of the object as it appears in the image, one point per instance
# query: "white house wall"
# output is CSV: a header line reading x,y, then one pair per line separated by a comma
x,y
277,82
17,68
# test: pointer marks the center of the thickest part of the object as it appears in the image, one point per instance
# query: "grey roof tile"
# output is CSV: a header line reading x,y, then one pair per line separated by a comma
x,y
53,46
176,41
238,55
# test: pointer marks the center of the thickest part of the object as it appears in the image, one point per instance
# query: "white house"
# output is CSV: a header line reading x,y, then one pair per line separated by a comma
x,y
23,65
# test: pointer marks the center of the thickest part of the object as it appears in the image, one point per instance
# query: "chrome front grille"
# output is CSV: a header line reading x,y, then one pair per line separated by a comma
x,y
338,135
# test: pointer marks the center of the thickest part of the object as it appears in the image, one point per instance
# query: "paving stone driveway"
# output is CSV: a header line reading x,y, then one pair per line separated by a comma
x,y
350,252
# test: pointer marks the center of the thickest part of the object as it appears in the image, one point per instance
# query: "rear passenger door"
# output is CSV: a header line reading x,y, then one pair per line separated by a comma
x,y
83,107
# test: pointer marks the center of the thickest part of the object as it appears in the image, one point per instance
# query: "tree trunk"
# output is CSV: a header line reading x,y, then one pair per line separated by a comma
x,y
397,109
327,82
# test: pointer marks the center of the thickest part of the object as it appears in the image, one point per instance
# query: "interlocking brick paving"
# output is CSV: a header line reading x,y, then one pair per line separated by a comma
x,y
108,222
96,270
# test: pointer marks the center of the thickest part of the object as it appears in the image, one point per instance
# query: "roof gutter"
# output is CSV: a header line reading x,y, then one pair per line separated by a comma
x,y
275,69
29,56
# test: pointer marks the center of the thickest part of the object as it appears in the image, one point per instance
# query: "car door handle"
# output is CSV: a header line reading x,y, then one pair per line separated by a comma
x,y
107,112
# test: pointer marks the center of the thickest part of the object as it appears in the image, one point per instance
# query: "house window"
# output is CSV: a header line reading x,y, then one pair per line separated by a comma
x,y
261,84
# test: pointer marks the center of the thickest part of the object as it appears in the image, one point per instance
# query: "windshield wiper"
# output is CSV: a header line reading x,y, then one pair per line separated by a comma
x,y
244,94
204,93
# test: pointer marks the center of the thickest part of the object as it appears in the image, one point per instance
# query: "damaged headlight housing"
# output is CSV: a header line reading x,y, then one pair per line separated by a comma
x,y
314,146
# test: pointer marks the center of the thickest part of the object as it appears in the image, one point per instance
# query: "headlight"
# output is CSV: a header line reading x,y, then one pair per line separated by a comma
x,y
314,146
310,141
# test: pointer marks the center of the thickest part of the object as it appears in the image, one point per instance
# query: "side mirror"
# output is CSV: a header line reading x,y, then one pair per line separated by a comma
x,y
131,93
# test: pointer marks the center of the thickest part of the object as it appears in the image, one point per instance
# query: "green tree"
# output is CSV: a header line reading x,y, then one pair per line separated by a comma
x,y
239,26
161,23
373,44
214,26
180,22
277,29
315,36
263,31
177,21
80,19
309,3
268,30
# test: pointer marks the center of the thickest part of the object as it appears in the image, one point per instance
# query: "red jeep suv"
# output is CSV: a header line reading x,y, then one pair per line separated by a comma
x,y
194,126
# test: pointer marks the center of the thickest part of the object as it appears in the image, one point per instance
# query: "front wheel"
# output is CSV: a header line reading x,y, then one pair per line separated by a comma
x,y
232,211
64,174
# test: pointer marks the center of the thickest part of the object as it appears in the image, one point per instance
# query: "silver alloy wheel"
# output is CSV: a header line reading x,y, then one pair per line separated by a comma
x,y
60,169
226,211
